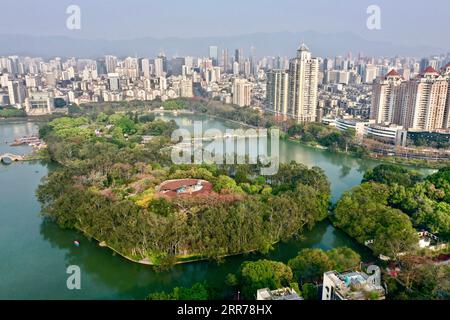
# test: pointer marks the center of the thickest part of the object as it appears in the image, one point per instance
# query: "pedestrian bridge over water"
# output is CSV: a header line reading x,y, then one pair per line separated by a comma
x,y
9,157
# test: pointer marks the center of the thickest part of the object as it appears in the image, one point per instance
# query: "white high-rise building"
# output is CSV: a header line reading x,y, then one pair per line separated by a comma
x,y
131,67
159,67
186,88
424,101
111,64
4,79
33,81
114,81
212,75
370,73
242,92
447,108
235,68
12,64
386,93
225,60
16,92
247,68
146,68
162,84
277,91
303,86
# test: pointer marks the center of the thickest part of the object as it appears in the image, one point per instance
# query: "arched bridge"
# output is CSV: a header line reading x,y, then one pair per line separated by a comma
x,y
8,157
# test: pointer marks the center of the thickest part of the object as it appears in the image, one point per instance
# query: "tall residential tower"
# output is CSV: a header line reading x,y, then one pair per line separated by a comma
x,y
303,86
385,104
277,91
422,103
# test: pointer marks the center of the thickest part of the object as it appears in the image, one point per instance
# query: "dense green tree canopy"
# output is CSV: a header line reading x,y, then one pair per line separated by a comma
x,y
198,291
310,264
318,133
263,274
106,187
365,215
12,112
343,258
392,174
389,202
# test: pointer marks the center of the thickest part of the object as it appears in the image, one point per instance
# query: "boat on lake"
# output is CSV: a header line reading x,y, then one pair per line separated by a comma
x,y
31,141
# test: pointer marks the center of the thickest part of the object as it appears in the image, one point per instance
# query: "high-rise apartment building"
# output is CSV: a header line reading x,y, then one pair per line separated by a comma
x,y
12,64
446,73
252,60
214,55
242,92
159,67
370,73
16,92
236,68
385,104
101,67
177,66
131,67
111,64
186,88
327,64
303,86
239,58
247,67
277,91
146,68
114,81
422,103
225,60
238,55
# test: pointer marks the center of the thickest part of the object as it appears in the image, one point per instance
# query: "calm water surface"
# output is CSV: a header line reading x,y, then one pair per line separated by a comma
x,y
34,253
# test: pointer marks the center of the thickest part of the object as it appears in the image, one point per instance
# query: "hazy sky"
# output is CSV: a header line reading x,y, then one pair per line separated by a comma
x,y
410,22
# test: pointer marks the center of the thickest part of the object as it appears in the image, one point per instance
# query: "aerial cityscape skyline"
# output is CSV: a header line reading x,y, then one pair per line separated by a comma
x,y
225,151
395,100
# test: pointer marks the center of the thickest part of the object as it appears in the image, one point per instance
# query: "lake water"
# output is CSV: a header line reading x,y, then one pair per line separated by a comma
x,y
35,253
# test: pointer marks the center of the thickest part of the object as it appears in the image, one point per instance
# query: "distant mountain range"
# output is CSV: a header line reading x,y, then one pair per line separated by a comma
x,y
280,43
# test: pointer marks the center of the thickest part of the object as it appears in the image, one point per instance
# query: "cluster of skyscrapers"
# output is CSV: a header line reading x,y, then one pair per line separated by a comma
x,y
421,103
405,92
34,84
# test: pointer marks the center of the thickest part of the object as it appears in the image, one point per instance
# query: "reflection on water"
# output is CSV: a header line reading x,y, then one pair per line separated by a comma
x,y
345,170
124,280
11,130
